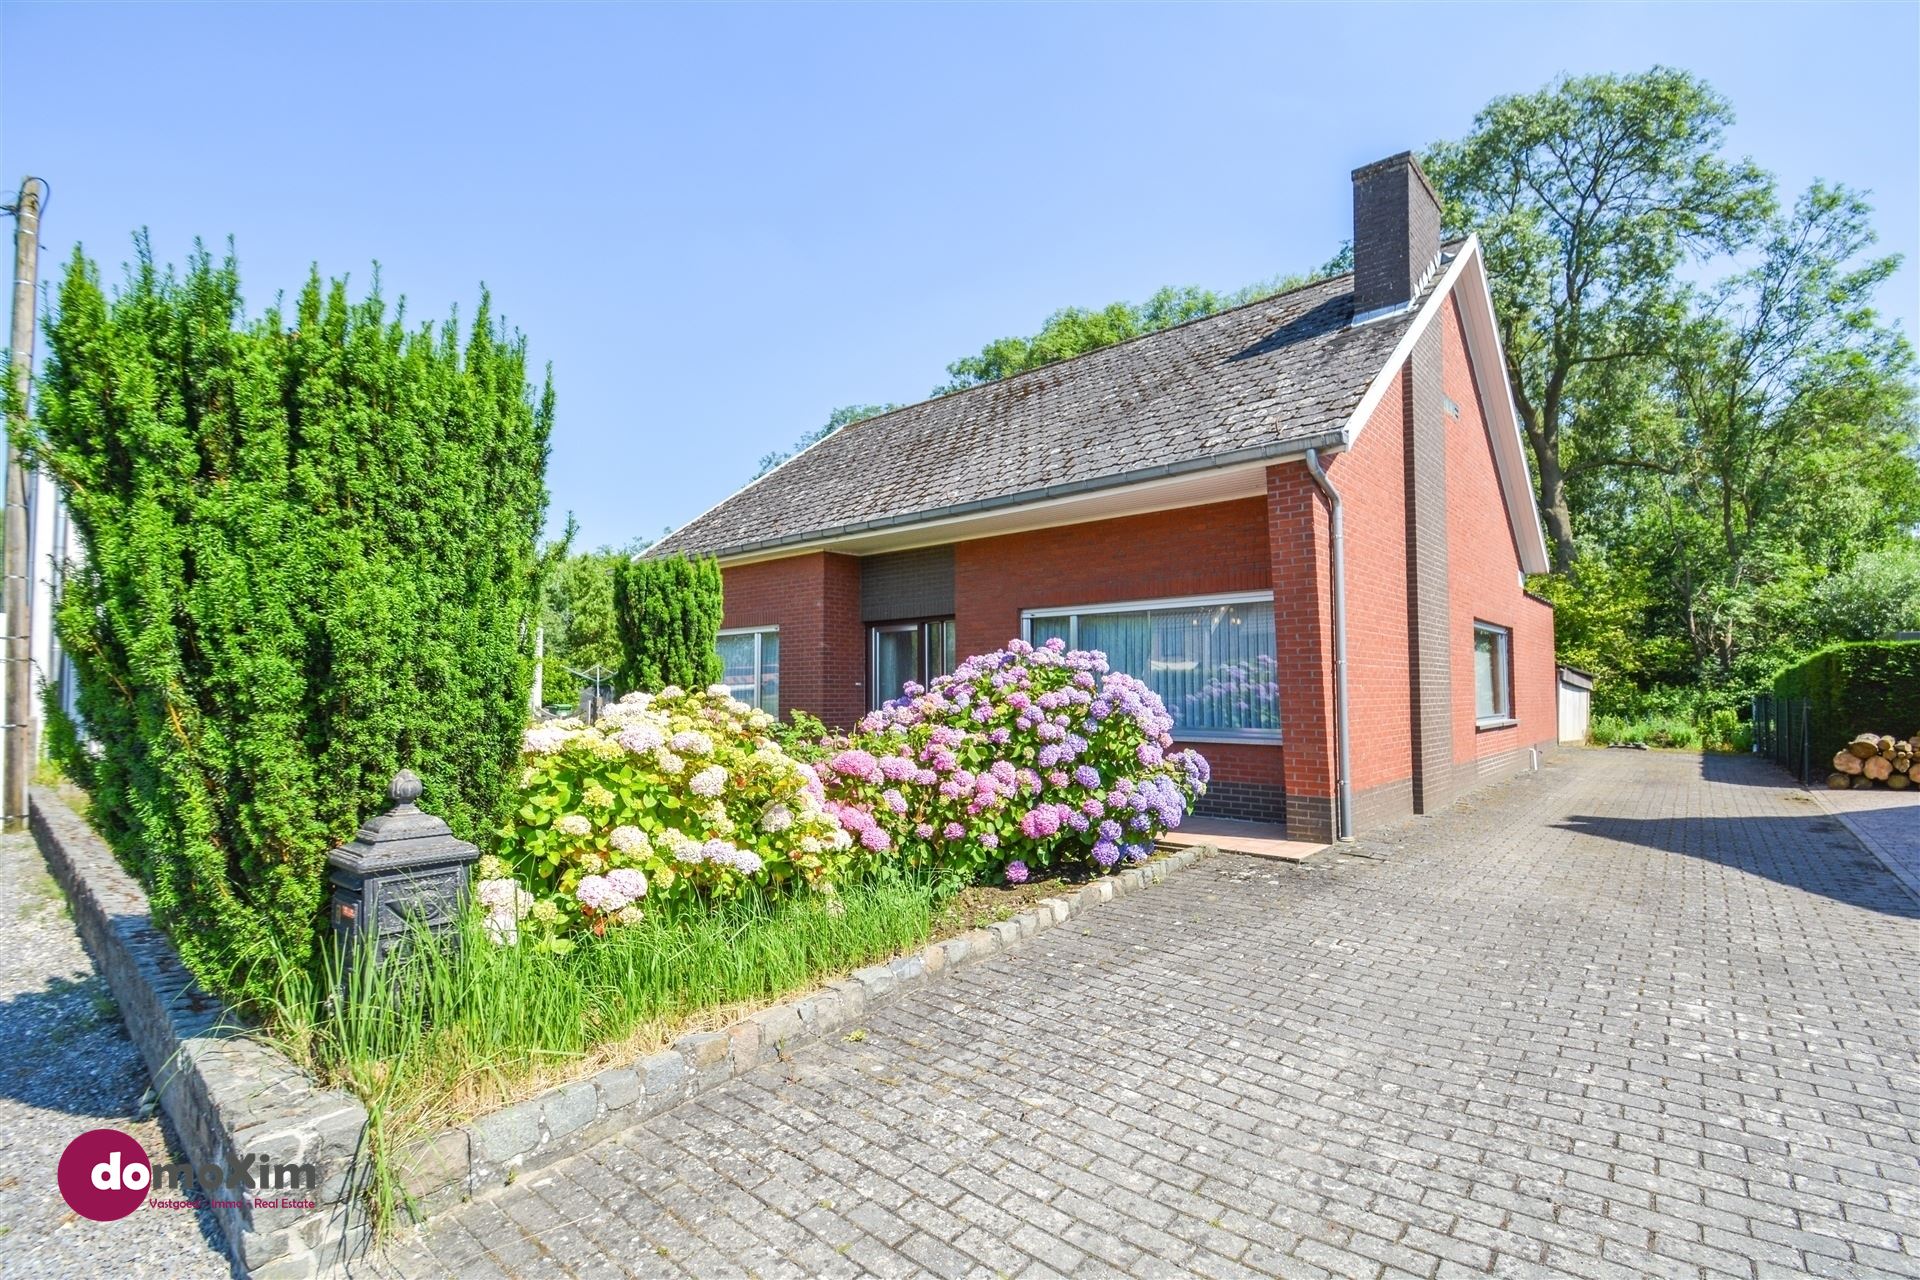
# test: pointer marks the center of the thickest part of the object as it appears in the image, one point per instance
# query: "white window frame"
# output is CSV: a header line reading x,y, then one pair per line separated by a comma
x,y
759,635
1503,674
1268,737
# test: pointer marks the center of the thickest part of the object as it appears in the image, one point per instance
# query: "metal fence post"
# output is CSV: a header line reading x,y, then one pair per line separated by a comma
x,y
1806,739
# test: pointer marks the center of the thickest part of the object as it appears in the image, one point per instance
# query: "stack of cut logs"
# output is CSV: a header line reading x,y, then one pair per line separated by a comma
x,y
1875,758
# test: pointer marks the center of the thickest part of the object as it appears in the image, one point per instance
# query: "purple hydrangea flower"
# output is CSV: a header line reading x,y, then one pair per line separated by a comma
x,y
1016,872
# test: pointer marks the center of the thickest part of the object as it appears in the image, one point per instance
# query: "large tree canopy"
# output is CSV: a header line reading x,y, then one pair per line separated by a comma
x,y
1774,444
1588,197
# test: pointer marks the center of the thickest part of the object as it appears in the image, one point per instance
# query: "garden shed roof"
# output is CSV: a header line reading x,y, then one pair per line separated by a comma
x,y
1265,380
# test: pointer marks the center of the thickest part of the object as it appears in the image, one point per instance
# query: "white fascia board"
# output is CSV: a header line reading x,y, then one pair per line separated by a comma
x,y
1377,389
1496,393
1490,370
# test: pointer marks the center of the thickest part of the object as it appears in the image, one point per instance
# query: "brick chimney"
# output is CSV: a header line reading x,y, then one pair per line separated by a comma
x,y
1396,233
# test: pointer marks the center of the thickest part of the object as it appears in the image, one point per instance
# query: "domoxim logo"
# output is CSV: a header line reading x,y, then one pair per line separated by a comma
x,y
104,1174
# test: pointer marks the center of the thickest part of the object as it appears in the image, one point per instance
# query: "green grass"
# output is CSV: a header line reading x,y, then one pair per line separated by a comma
x,y
1653,730
450,1032
1718,730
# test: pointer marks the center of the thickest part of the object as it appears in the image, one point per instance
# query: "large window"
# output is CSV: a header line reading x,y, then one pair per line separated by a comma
x,y
909,651
1210,658
1492,675
750,661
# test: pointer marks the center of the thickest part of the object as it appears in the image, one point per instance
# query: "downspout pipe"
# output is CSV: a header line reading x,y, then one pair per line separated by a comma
x,y
1337,567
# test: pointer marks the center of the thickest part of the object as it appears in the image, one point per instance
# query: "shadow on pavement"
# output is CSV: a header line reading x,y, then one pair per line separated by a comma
x,y
1745,771
1813,853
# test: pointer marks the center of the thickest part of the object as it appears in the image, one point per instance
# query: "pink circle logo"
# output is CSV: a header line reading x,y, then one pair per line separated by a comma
x,y
104,1175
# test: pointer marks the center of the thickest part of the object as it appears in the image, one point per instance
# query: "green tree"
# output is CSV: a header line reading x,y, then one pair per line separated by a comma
x,y
1790,449
1074,331
1588,196
582,630
844,415
669,610
1874,597
310,560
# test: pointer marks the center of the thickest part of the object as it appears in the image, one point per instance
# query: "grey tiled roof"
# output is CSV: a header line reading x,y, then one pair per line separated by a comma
x,y
1265,378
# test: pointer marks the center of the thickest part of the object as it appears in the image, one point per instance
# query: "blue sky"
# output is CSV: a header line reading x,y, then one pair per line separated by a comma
x,y
718,223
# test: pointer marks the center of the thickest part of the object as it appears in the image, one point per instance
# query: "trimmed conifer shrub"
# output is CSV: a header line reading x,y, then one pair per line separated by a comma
x,y
1867,686
669,610
309,560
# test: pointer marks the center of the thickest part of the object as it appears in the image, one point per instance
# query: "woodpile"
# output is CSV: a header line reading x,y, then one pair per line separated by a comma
x,y
1877,760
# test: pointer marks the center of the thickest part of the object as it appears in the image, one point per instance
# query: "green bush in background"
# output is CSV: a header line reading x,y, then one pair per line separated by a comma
x,y
1871,686
310,560
668,609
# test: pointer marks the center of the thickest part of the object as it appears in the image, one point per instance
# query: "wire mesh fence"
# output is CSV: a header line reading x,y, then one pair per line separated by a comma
x,y
1782,729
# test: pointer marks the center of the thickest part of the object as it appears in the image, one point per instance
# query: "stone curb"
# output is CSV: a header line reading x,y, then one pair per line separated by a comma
x,y
227,1093
456,1164
229,1096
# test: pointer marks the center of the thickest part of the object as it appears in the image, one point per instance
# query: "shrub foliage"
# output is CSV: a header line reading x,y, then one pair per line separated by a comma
x,y
668,609
669,799
310,560
1868,687
1020,759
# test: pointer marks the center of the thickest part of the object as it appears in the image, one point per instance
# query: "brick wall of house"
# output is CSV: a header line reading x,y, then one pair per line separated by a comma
x,y
1372,480
815,601
1203,550
1187,552
1486,586
1297,541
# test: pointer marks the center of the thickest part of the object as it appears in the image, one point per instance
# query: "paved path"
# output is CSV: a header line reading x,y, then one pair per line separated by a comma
x,y
66,1066
1638,1015
1888,822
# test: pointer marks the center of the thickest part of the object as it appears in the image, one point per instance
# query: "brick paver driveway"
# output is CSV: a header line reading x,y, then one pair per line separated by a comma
x,y
1637,1015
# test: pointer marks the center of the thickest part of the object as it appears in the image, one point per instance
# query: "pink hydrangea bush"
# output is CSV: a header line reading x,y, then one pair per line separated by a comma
x,y
669,798
1021,759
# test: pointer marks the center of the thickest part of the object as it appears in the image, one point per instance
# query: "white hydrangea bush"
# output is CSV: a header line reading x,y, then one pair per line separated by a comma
x,y
673,797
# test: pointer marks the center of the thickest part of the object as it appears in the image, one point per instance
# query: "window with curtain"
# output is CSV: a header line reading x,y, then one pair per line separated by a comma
x,y
750,666
1211,660
1492,674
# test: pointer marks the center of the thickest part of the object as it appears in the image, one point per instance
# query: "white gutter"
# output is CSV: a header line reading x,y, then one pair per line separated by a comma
x,y
1337,570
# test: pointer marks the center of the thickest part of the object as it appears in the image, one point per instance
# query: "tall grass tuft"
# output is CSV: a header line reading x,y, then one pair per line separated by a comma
x,y
440,1032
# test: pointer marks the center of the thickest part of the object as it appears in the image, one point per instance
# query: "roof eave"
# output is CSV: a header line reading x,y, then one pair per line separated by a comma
x,y
825,539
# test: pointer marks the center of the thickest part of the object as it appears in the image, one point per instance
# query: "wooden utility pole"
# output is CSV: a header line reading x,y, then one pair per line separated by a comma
x,y
18,761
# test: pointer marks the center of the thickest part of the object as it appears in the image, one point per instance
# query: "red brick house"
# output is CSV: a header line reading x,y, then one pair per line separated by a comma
x,y
1304,522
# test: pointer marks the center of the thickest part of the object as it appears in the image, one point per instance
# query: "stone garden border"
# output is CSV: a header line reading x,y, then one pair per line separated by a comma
x,y
229,1096
226,1092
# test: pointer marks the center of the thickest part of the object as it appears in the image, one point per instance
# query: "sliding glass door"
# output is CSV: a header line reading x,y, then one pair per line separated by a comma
x,y
903,652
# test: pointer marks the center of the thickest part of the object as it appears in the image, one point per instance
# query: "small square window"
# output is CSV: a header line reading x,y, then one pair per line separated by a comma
x,y
1492,674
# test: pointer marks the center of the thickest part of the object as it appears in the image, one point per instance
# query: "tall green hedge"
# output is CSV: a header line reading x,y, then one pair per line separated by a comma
x,y
1868,687
309,561
668,609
